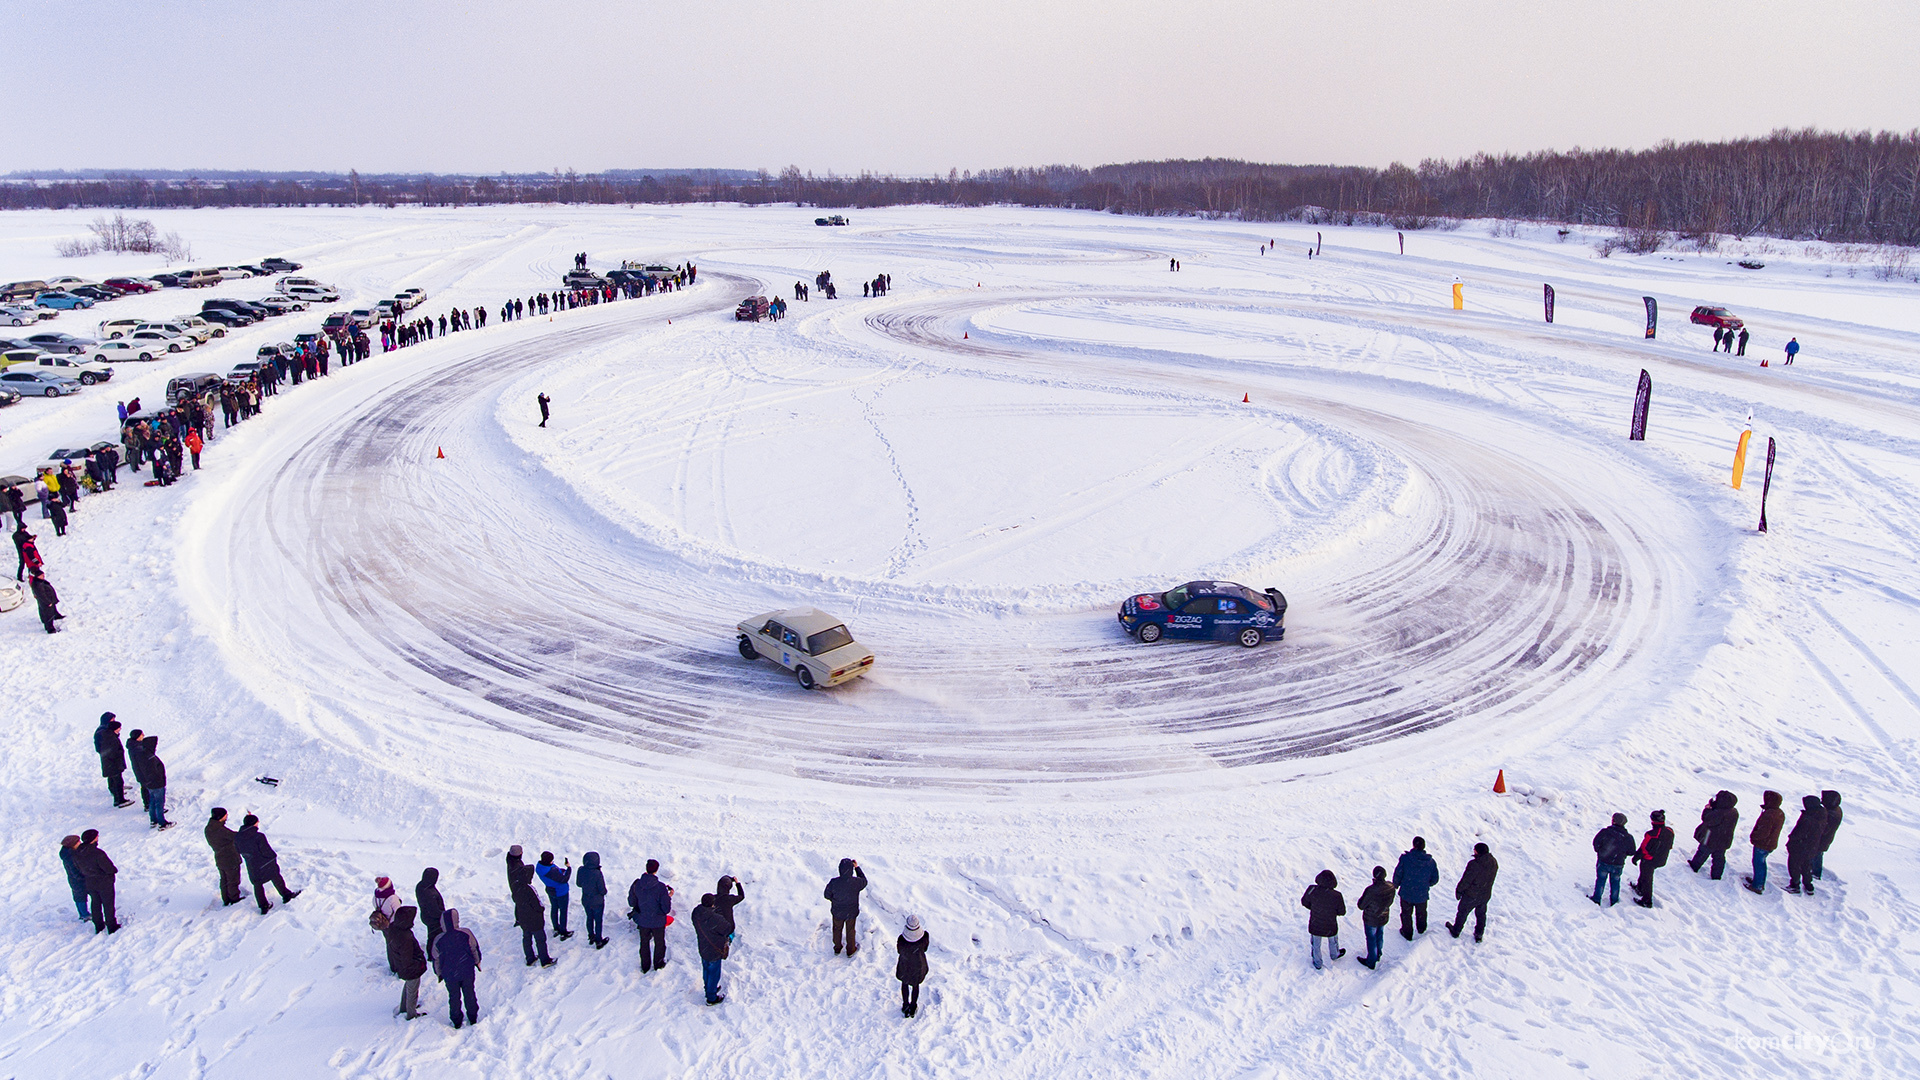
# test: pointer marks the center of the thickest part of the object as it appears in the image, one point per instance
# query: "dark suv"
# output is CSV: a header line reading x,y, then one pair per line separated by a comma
x,y
221,316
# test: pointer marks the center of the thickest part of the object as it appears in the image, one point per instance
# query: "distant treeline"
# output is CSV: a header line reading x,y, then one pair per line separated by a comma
x,y
1850,187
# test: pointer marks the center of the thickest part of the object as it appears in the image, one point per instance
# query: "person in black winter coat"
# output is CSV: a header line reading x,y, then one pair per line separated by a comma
x,y
911,968
226,860
1473,891
433,907
113,758
530,917
98,872
406,960
844,892
263,865
153,776
1415,875
710,930
1803,843
1715,832
650,906
1325,905
591,884
47,598
1374,904
727,895
1611,847
76,881
1830,801
1655,844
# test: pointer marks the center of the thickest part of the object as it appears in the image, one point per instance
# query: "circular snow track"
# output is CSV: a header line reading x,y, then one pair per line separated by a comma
x,y
403,591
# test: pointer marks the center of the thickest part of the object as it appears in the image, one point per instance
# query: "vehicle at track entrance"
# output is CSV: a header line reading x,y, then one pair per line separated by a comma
x,y
1208,611
752,309
817,646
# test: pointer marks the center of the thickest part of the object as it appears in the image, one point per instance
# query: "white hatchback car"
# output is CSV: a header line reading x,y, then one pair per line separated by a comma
x,y
817,646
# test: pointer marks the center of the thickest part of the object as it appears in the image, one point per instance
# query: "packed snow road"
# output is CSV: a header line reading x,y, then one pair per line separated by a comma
x,y
1445,565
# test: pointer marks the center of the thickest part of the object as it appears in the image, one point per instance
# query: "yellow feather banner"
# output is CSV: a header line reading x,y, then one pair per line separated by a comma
x,y
1459,303
1740,458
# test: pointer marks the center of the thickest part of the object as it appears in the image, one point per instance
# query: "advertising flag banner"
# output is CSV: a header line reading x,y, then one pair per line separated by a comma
x,y
1766,485
1740,458
1549,289
1403,243
1642,400
1653,314
1459,302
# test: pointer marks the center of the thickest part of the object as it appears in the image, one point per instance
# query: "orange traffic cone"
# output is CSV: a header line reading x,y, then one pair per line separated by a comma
x,y
963,335
1500,783
1246,399
439,453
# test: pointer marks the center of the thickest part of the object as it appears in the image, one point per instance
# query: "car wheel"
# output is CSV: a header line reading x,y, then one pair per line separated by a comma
x,y
803,675
1149,633
52,391
146,356
1251,636
87,378
173,348
747,651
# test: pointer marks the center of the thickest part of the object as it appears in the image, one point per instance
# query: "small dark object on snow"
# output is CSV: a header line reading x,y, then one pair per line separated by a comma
x,y
1753,264
267,780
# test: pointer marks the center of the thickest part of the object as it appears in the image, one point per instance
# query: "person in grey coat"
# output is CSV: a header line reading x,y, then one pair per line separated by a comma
x,y
844,894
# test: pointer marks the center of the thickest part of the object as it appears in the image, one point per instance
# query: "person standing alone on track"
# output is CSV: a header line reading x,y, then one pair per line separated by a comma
x,y
544,401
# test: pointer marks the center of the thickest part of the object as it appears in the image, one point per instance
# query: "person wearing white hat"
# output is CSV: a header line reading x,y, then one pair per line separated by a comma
x,y
912,968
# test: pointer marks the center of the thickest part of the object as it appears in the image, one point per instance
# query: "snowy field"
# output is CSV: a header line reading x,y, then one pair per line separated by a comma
x,y
530,641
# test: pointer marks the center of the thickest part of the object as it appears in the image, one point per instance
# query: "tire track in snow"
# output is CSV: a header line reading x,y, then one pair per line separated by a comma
x,y
1504,593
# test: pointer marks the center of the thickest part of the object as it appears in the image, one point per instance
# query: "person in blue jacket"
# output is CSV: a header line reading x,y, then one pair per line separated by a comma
x,y
1793,349
456,958
1414,875
593,897
76,881
557,880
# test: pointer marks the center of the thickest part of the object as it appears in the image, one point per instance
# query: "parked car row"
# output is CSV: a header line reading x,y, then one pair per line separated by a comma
x,y
69,292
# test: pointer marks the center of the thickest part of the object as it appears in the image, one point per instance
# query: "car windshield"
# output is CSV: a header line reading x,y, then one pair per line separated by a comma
x,y
828,640
1176,597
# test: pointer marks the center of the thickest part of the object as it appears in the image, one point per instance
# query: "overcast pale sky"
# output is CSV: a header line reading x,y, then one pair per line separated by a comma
x,y
910,87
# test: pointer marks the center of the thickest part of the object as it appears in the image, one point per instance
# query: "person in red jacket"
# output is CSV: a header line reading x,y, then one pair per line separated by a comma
x,y
194,445
1655,845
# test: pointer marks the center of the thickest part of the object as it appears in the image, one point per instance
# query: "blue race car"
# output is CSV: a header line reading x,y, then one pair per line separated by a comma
x,y
1208,610
62,300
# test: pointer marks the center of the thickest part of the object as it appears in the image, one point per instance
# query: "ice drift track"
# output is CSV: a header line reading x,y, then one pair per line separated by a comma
x,y
398,590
